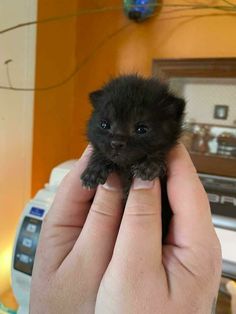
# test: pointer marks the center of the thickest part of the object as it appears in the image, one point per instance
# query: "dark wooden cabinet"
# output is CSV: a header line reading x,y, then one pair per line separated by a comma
x,y
214,164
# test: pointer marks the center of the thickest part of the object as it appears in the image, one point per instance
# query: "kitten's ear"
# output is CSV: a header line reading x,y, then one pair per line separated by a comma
x,y
95,97
175,106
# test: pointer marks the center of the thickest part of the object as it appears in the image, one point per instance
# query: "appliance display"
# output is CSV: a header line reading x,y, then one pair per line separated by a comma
x,y
222,196
26,245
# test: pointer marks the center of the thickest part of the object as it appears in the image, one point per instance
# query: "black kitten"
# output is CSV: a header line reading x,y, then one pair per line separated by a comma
x,y
135,122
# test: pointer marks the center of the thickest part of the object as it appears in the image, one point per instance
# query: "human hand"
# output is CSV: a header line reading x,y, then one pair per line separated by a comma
x,y
83,265
181,276
76,244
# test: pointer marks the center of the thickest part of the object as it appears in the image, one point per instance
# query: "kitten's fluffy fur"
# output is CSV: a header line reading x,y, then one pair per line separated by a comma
x,y
135,122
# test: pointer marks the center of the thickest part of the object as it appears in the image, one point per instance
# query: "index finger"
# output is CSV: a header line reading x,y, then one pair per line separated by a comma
x,y
65,219
72,200
139,240
188,200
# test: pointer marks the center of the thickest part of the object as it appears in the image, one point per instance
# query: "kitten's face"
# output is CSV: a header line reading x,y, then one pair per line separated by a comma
x,y
133,118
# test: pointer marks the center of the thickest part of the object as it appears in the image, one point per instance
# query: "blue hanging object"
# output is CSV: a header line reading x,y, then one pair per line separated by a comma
x,y
139,10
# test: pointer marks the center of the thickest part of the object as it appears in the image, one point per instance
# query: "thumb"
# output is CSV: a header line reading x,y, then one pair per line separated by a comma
x,y
140,234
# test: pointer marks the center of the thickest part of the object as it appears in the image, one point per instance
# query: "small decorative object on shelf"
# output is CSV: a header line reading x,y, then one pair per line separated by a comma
x,y
213,145
187,135
139,10
209,139
199,141
226,144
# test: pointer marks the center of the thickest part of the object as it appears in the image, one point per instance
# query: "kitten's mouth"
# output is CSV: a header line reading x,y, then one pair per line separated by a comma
x,y
122,158
116,156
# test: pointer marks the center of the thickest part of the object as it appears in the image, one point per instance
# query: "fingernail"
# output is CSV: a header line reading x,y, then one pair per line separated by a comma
x,y
139,184
113,183
87,152
85,155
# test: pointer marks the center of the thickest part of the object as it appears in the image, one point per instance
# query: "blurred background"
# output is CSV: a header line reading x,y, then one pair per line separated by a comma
x,y
53,53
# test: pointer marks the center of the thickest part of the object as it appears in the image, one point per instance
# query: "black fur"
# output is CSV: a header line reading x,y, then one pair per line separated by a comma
x,y
125,107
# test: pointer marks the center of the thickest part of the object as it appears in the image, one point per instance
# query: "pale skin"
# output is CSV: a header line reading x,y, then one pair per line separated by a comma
x,y
94,256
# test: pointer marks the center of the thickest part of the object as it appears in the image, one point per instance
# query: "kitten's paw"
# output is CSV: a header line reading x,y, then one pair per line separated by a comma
x,y
149,170
92,177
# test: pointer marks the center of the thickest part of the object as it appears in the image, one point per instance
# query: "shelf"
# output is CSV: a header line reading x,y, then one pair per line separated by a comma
x,y
214,164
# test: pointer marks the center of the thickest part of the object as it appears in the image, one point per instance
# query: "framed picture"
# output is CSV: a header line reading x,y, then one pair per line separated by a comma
x,y
221,112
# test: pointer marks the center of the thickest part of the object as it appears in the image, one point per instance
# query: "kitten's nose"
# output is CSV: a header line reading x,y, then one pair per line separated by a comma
x,y
117,144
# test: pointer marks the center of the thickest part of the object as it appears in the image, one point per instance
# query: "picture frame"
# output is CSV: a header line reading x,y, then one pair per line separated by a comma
x,y
221,112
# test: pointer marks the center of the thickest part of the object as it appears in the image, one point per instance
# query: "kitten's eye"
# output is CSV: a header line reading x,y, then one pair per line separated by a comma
x,y
105,124
141,129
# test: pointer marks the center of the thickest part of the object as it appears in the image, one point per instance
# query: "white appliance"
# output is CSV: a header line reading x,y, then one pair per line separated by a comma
x,y
222,196
28,233
221,192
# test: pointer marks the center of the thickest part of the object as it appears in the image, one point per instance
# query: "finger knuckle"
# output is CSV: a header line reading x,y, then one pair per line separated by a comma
x,y
103,207
141,208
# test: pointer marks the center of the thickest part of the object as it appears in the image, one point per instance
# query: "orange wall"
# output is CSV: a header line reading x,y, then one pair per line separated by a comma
x,y
53,108
61,114
167,35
